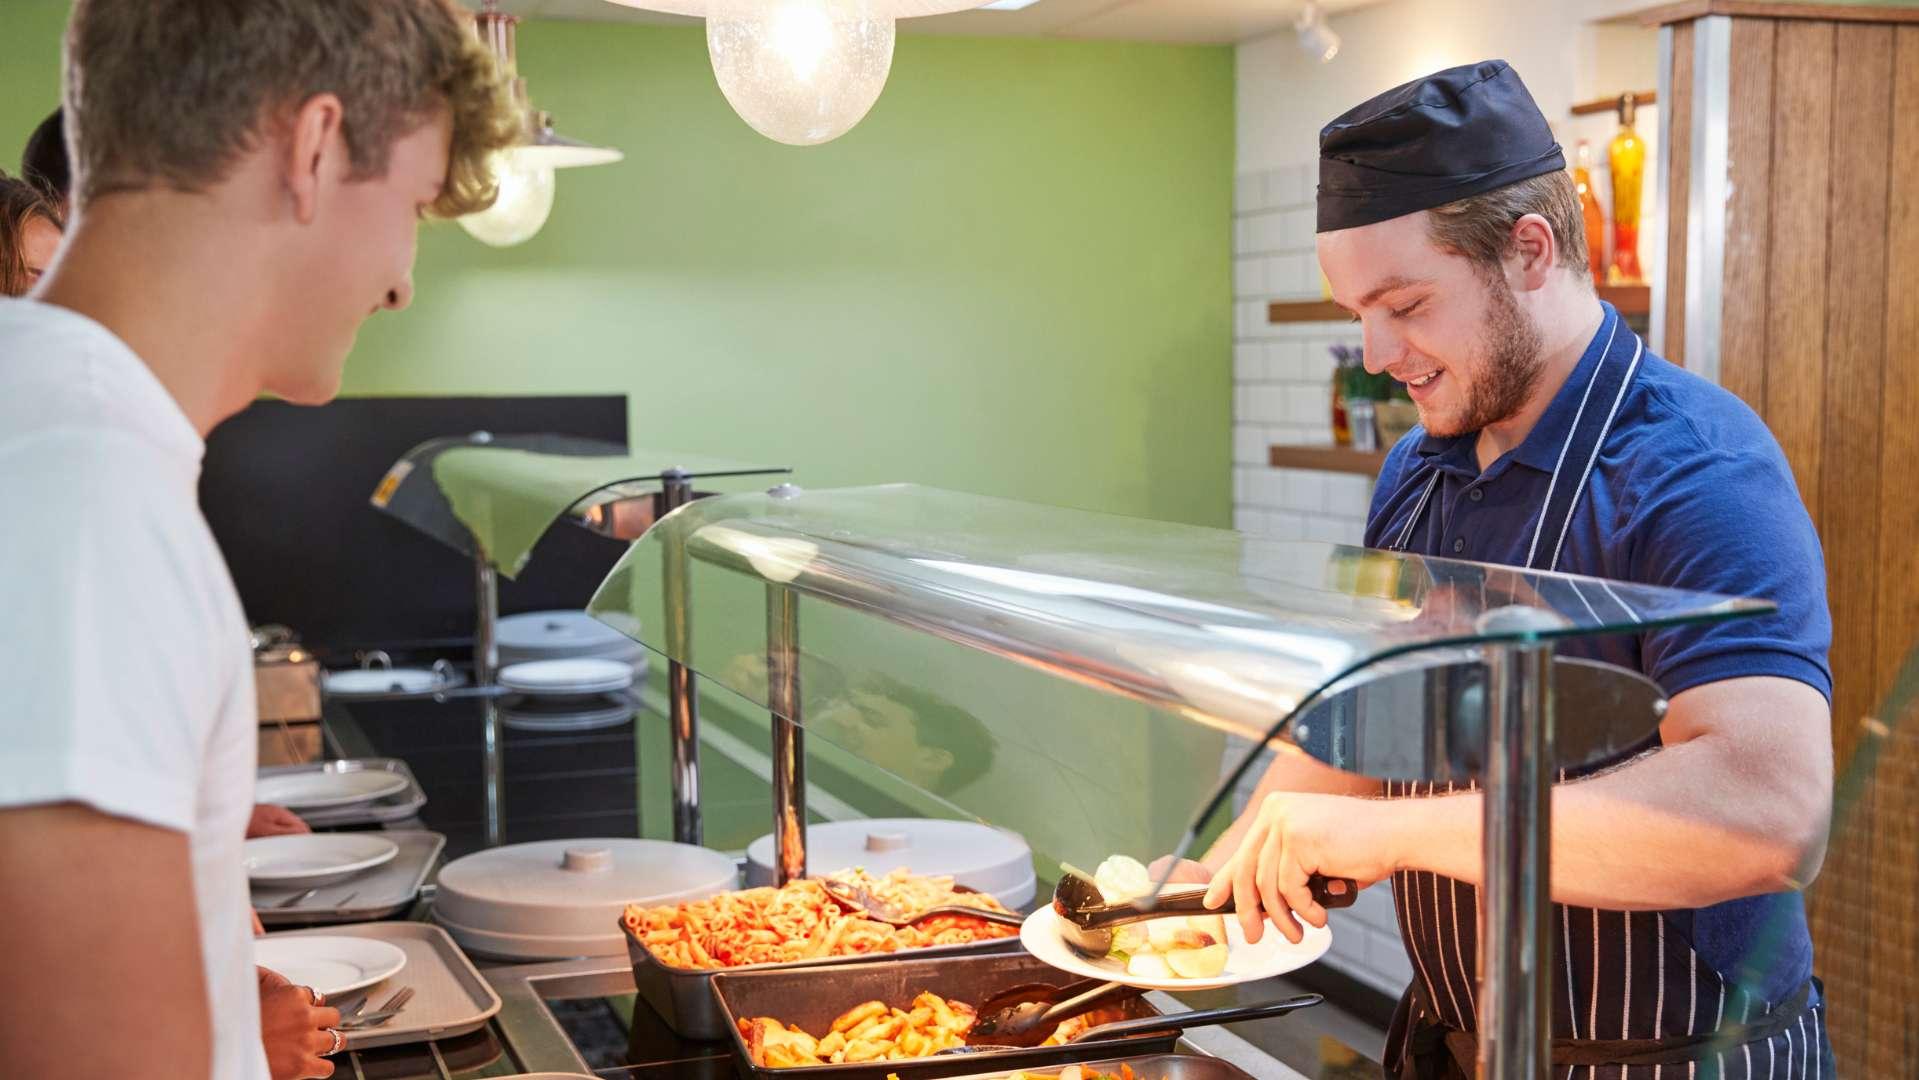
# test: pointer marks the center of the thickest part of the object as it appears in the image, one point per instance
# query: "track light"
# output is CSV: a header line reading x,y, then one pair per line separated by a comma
x,y
1314,35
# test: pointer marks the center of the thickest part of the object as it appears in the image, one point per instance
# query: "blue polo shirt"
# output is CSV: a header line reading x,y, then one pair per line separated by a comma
x,y
1690,490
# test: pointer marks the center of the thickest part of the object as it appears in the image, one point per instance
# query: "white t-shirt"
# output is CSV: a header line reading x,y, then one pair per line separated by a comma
x,y
122,643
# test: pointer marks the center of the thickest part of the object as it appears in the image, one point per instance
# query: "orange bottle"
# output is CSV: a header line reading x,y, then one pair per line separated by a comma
x,y
1627,155
1589,205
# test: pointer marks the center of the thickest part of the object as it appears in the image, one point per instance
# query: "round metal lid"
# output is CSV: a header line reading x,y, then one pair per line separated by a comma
x,y
551,633
573,889
982,857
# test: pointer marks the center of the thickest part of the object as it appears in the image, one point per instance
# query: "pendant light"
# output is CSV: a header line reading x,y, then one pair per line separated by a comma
x,y
801,72
524,172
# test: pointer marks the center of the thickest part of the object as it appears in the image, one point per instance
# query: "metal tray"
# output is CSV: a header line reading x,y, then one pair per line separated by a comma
x,y
801,997
684,999
1149,1067
398,806
387,891
450,998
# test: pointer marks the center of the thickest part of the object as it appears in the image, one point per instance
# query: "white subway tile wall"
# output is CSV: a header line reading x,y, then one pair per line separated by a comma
x,y
1282,394
1282,373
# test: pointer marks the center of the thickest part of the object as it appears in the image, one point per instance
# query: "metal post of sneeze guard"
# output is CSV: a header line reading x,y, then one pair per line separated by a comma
x,y
495,755
486,621
1515,989
682,693
789,740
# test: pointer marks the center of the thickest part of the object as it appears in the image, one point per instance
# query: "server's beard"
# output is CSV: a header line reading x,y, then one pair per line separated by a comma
x,y
1510,362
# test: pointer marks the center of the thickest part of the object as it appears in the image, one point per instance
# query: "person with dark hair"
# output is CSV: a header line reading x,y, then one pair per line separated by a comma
x,y
1552,438
29,235
44,161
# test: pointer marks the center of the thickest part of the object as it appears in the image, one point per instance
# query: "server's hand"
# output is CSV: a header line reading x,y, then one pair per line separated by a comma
x,y
298,1029
1183,871
1293,837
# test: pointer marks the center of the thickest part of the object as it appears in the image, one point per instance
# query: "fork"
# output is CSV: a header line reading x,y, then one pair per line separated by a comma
x,y
393,1007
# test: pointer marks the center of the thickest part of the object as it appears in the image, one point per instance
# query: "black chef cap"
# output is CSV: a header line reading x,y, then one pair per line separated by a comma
x,y
1456,133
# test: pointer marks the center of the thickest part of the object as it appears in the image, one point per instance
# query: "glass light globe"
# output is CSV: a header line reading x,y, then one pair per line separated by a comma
x,y
800,71
526,198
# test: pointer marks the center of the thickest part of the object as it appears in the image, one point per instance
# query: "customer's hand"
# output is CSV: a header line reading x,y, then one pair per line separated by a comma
x,y
268,820
1294,837
297,1029
1184,871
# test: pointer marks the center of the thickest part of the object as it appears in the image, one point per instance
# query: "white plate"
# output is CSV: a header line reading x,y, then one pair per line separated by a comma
x,y
586,716
331,965
581,675
363,682
305,860
317,790
1272,955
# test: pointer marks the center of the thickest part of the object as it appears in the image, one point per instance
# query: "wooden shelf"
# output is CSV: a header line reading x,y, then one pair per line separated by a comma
x,y
1601,106
1292,311
1631,300
1327,459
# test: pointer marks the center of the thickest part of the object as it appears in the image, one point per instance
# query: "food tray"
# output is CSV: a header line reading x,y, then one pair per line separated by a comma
x,y
398,806
1149,1067
684,999
383,893
450,998
803,998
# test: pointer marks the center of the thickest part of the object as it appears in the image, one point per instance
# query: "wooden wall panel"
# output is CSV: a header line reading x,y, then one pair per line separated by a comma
x,y
1894,819
1849,497
1678,121
1749,151
1796,289
1855,361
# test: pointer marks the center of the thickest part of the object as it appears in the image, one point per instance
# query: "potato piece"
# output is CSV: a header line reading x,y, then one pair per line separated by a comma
x,y
1160,932
864,1051
859,1014
832,1044
1204,963
1148,966
1211,926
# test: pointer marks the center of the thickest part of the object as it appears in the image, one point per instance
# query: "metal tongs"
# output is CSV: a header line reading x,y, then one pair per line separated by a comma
x,y
1086,920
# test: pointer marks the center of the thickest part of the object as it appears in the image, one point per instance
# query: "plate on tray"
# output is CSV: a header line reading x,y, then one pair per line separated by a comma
x,y
308,860
331,965
320,790
1245,961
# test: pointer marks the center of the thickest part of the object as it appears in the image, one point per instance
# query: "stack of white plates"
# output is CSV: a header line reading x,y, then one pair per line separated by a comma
x,y
983,857
565,635
555,899
582,678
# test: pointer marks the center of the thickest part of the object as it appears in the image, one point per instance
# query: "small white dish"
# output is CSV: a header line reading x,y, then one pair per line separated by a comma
x,y
306,860
1271,955
567,678
372,682
319,790
332,965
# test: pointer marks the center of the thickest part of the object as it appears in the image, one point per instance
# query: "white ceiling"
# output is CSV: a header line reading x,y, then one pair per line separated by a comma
x,y
1211,22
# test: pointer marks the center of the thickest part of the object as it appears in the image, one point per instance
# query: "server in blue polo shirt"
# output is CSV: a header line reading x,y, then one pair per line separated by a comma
x,y
1550,437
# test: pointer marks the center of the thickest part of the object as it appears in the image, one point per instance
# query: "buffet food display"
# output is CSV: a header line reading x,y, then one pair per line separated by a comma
x,y
801,921
873,1031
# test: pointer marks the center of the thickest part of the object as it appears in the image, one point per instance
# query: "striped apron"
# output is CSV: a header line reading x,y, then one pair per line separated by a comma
x,y
1638,1003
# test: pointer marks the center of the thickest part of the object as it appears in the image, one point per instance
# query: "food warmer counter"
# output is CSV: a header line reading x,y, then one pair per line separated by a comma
x,y
491,497
1150,664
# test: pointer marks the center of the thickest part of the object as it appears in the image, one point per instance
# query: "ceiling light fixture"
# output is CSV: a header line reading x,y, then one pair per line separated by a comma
x,y
1315,36
801,72
524,172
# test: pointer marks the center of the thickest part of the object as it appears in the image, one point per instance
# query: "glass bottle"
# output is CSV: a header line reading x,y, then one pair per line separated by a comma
x,y
1627,155
1589,206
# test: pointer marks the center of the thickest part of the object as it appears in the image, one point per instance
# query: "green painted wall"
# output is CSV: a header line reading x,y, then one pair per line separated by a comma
x,y
1012,277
